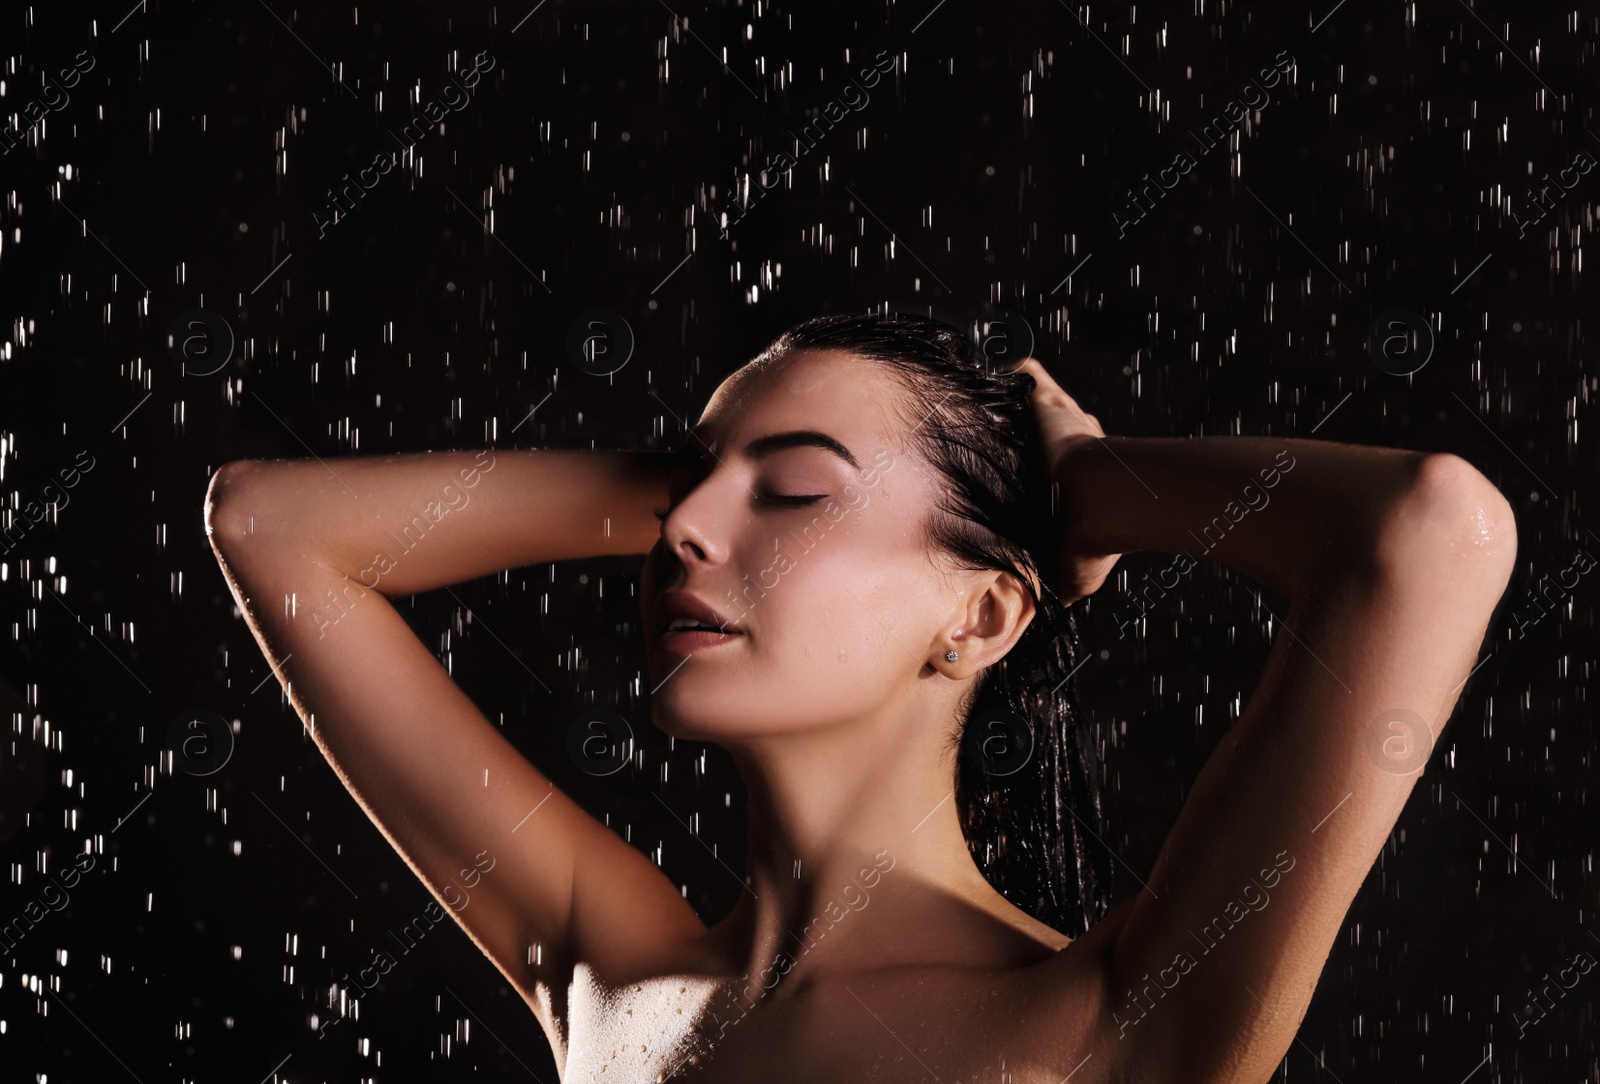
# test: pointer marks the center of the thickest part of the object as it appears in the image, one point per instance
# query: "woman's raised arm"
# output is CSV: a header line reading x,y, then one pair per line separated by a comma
x,y
1392,563
314,550
488,511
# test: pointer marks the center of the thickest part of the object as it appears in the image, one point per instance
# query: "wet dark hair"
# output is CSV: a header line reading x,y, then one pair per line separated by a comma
x,y
1029,830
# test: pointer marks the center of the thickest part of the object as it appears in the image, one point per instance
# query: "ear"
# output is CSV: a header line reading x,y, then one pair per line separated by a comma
x,y
996,612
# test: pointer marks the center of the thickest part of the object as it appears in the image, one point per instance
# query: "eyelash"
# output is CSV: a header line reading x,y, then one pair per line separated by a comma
x,y
778,500
691,457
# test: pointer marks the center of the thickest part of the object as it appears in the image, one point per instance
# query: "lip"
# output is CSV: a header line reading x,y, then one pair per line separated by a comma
x,y
675,604
688,641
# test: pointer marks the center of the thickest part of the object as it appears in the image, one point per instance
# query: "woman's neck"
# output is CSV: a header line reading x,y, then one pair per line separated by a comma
x,y
857,861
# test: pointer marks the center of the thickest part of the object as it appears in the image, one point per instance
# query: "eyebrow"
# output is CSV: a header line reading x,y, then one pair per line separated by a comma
x,y
773,443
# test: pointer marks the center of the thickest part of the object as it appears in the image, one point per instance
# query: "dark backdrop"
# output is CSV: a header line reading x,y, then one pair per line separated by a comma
x,y
186,165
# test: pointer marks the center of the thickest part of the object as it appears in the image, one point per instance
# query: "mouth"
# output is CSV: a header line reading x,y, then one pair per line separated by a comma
x,y
688,641
684,624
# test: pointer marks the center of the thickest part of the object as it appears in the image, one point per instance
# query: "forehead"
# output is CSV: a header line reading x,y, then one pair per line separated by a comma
x,y
856,400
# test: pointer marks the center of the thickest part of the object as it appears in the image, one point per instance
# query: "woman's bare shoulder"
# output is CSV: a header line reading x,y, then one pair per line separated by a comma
x,y
1077,966
1069,1002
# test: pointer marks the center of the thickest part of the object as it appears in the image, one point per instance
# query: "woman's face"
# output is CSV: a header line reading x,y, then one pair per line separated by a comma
x,y
819,562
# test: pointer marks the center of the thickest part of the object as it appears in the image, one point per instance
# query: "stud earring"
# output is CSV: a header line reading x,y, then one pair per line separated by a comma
x,y
951,656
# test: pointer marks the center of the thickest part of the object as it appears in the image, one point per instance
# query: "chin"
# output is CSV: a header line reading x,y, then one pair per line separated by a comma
x,y
685,726
693,716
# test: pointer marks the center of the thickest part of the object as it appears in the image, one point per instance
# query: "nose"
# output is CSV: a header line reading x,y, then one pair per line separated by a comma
x,y
693,533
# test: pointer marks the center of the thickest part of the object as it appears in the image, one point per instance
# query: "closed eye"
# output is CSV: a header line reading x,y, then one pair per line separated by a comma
x,y
691,459
790,501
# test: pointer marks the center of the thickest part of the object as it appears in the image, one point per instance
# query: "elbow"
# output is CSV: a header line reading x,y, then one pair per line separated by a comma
x,y
223,505
1454,518
1476,520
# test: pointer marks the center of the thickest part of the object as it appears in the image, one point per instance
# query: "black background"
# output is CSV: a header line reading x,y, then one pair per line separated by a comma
x,y
184,174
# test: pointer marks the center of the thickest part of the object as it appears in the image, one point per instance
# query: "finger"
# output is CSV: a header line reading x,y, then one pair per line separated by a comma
x,y
1042,380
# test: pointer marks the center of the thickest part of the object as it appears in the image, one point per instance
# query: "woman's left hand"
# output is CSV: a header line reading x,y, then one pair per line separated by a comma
x,y
1067,429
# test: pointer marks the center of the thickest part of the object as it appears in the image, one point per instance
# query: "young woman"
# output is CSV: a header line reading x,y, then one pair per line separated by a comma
x,y
869,536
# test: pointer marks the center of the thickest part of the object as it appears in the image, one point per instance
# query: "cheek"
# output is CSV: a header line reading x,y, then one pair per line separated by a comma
x,y
834,628
849,601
